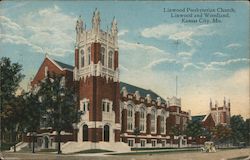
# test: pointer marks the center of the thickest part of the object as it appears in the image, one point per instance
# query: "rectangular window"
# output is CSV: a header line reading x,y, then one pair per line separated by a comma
x,y
163,143
143,143
130,143
103,106
84,107
107,107
154,143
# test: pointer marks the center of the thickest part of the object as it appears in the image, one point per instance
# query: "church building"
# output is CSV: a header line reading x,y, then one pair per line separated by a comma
x,y
112,109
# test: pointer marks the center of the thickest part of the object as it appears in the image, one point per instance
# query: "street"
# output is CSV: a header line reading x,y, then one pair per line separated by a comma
x,y
219,155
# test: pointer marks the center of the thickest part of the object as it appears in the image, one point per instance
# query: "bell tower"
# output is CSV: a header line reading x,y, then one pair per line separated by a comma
x,y
97,74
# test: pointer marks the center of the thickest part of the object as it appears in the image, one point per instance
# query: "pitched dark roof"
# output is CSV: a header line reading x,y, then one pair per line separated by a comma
x,y
198,118
63,65
143,92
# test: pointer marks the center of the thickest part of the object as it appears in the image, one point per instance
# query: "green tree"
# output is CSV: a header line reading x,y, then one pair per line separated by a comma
x,y
58,105
31,115
237,126
195,129
10,77
246,133
177,131
221,134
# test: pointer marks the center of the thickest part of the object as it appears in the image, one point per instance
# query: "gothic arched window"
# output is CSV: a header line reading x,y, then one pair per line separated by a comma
x,y
89,56
142,119
153,120
82,58
103,55
85,135
162,122
130,117
110,60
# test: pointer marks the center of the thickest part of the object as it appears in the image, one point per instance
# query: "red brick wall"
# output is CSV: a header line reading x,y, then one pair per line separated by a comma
x,y
95,52
209,122
41,72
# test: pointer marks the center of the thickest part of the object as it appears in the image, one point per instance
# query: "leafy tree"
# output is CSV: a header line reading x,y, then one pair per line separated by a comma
x,y
58,105
247,131
177,131
31,115
221,134
237,126
194,129
10,77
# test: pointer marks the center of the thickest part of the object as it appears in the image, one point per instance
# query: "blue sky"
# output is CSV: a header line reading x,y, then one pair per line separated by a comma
x,y
210,60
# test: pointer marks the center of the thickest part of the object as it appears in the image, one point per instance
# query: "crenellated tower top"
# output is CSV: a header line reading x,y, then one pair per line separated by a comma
x,y
96,49
96,34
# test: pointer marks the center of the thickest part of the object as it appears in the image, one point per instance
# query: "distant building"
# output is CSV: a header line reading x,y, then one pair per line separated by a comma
x,y
221,114
216,116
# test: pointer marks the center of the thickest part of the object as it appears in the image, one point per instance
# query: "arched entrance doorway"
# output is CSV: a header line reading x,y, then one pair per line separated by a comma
x,y
106,133
85,135
46,142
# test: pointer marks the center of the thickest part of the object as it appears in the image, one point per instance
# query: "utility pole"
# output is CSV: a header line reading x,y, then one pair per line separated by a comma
x,y
176,86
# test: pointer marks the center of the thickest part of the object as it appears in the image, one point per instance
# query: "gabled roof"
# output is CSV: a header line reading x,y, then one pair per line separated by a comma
x,y
198,118
143,92
64,66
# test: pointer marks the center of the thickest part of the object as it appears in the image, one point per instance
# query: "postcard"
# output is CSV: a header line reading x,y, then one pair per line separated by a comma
x,y
125,79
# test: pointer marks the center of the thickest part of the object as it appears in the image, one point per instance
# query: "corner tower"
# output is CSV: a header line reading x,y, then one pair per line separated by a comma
x,y
97,75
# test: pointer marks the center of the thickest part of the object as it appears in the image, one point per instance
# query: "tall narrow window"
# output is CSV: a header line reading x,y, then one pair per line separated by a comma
x,y
85,135
110,63
142,119
153,117
162,124
103,106
82,58
107,107
130,118
89,56
102,55
106,133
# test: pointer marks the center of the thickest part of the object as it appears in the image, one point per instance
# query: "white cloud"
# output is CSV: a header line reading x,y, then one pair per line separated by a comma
x,y
240,78
140,47
47,30
219,54
233,45
159,61
122,32
123,69
7,23
185,54
190,65
178,31
213,65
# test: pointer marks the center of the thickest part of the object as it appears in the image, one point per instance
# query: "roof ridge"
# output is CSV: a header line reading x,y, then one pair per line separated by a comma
x,y
64,65
142,91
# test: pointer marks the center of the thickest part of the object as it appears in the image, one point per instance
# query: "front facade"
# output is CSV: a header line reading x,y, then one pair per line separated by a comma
x,y
221,114
112,110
